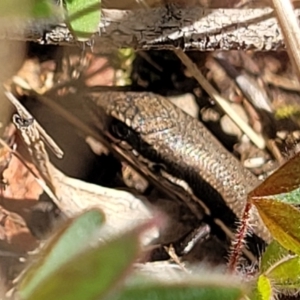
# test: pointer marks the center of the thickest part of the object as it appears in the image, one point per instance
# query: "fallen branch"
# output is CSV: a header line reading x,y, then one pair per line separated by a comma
x,y
165,28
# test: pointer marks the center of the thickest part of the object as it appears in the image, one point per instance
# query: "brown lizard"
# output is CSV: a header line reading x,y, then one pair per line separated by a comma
x,y
175,145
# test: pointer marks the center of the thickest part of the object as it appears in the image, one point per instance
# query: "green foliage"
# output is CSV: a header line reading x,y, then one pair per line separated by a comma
x,y
83,17
122,62
275,200
287,111
272,255
263,289
177,291
67,244
92,273
76,265
279,273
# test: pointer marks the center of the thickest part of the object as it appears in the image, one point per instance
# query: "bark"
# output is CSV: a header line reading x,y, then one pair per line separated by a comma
x,y
166,27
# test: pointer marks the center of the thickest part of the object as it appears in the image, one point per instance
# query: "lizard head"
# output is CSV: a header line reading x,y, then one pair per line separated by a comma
x,y
145,113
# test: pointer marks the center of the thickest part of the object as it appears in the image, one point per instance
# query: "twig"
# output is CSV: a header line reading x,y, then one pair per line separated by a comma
x,y
255,94
26,116
32,135
289,25
281,81
257,139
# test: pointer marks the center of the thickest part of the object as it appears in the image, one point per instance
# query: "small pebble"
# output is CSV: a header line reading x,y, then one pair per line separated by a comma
x,y
187,103
254,162
282,134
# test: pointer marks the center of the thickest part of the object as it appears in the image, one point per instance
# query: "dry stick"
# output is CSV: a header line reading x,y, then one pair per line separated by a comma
x,y
249,87
257,97
33,135
257,139
25,115
289,25
198,28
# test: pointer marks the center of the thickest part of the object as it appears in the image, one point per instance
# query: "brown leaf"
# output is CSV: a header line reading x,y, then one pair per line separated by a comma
x,y
17,197
284,180
14,234
282,220
21,184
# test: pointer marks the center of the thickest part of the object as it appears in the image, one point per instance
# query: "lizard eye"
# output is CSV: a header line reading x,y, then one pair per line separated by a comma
x,y
124,133
120,130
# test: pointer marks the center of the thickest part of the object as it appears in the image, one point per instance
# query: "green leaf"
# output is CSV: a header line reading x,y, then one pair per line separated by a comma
x,y
284,180
263,290
43,9
280,271
292,197
287,111
83,17
285,275
92,273
27,8
179,292
202,286
272,255
282,220
67,243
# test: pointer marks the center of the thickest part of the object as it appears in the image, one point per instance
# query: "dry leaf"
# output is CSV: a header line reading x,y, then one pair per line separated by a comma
x,y
122,210
20,193
21,184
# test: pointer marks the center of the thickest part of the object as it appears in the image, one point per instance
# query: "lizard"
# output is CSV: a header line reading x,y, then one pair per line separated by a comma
x,y
172,144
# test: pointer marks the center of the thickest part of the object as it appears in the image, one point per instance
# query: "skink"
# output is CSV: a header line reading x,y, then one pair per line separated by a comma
x,y
183,147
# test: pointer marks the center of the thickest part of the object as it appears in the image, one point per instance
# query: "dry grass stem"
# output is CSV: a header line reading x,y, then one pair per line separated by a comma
x,y
256,138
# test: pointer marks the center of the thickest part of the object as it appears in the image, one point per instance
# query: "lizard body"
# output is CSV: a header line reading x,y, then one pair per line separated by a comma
x,y
183,147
